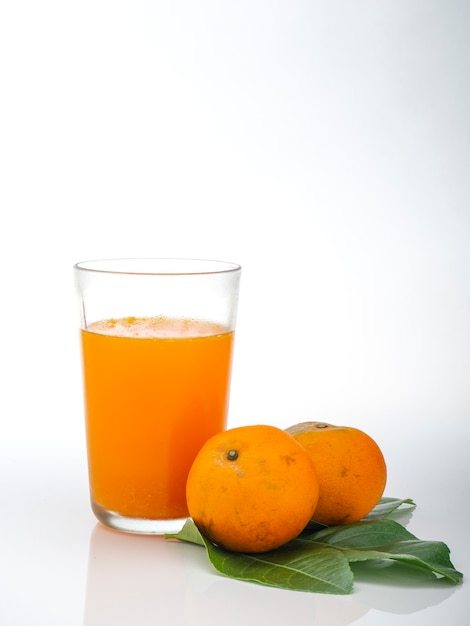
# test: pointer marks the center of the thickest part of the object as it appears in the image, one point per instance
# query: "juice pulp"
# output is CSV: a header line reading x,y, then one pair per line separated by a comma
x,y
155,390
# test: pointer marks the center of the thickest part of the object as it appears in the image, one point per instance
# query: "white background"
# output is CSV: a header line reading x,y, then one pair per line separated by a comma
x,y
323,145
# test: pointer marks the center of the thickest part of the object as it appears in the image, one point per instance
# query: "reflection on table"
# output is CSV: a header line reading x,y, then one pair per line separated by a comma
x,y
138,579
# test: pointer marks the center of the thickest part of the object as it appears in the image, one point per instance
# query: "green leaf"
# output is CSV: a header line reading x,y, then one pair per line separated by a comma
x,y
188,533
386,506
320,569
387,539
318,560
362,535
294,566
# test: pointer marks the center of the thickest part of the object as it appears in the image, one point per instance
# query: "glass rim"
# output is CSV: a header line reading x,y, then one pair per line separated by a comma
x,y
157,266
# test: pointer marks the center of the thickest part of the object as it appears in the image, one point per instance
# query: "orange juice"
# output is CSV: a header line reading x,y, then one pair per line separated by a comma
x,y
155,390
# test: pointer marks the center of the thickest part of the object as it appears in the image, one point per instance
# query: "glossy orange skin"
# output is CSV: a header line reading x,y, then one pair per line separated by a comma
x,y
252,489
350,467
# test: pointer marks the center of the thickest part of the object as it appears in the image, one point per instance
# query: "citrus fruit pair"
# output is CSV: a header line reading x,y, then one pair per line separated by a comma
x,y
254,488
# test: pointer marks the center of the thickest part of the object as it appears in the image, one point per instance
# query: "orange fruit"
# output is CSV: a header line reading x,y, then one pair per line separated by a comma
x,y
252,488
350,467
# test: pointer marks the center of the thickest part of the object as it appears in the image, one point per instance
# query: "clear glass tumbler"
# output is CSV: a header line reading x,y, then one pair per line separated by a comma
x,y
157,339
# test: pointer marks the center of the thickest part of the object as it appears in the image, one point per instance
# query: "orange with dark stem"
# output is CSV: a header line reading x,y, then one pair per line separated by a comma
x,y
252,489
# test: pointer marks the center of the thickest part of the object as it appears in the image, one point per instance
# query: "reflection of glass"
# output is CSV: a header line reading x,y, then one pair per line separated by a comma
x,y
134,579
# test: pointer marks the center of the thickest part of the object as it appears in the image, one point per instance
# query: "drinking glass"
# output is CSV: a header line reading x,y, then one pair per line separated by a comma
x,y
157,339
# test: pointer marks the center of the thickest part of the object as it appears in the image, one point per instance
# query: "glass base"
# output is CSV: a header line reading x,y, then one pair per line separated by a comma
x,y
135,524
